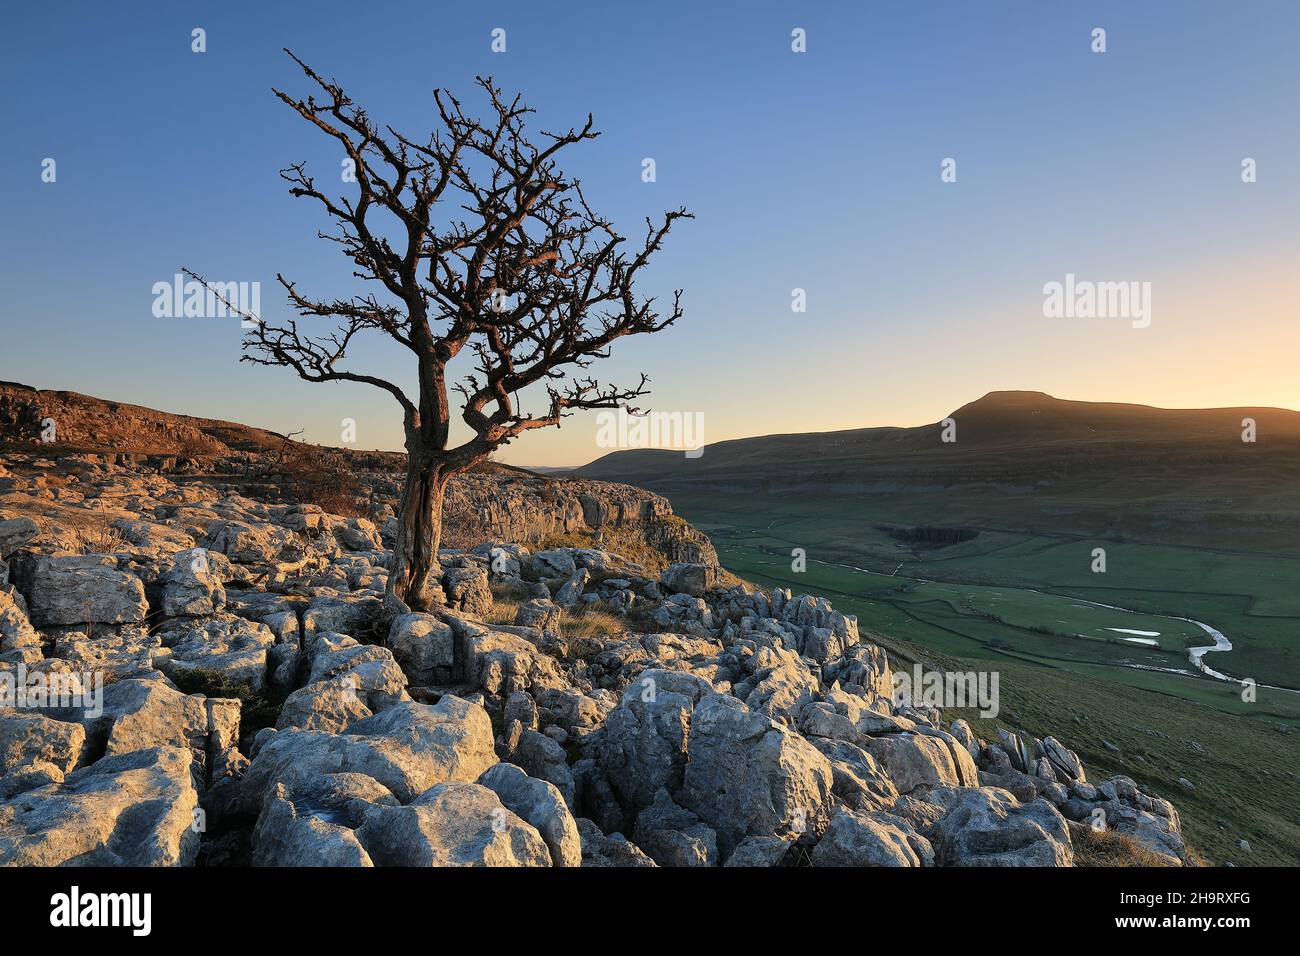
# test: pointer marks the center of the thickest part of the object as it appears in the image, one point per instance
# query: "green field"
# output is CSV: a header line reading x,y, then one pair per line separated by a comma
x,y
1027,605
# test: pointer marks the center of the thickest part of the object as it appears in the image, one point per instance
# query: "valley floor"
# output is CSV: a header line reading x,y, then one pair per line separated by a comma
x,y
1106,651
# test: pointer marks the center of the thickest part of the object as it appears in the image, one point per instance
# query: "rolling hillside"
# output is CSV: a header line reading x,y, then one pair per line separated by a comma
x,y
1028,461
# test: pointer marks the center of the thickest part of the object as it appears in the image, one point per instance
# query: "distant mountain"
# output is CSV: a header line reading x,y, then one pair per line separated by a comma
x,y
1007,439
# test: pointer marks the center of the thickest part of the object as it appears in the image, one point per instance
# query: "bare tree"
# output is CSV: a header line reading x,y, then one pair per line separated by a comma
x,y
481,245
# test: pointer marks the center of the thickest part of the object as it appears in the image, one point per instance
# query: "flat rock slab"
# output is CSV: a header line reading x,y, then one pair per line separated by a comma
x,y
135,809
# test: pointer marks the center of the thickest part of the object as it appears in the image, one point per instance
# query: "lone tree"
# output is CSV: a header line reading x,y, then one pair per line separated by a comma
x,y
482,245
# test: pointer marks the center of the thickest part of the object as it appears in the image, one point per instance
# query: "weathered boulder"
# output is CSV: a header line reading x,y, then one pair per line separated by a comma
x,y
331,705
232,647
139,714
599,850
555,563
308,819
246,543
989,827
20,643
352,614
961,730
692,579
193,585
871,839
780,686
357,534
761,851
865,666
424,646
538,613
645,741
467,589
1065,762
451,824
504,559
542,805
408,748
28,738
16,532
579,714
127,651
1019,748
370,670
134,809
501,662
543,758
859,782
85,590
288,836
919,760
570,592
750,776
672,836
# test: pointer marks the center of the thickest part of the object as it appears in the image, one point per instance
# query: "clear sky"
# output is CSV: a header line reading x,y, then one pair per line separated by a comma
x,y
816,170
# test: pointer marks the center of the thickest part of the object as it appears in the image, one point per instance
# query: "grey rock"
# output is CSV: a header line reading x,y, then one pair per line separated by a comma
x,y
570,591
231,646
556,563
750,776
539,613
352,614
330,705
544,759
286,836
675,837
871,839
645,741
424,646
692,579
134,809
451,824
467,590
761,851
15,533
193,585
599,850
916,760
85,590
542,805
989,827
408,748
372,671
28,738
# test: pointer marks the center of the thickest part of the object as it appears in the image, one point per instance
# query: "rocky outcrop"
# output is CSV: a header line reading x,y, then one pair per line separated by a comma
x,y
565,706
408,748
990,827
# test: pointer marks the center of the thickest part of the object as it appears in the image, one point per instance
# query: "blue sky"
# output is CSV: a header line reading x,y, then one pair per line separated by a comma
x,y
817,170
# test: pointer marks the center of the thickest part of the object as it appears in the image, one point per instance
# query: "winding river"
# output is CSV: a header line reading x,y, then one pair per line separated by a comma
x,y
1195,655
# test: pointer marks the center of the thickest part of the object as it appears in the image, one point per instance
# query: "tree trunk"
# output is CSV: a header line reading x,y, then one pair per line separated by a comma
x,y
414,575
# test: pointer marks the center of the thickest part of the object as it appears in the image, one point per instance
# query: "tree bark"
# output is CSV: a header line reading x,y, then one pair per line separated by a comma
x,y
414,575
